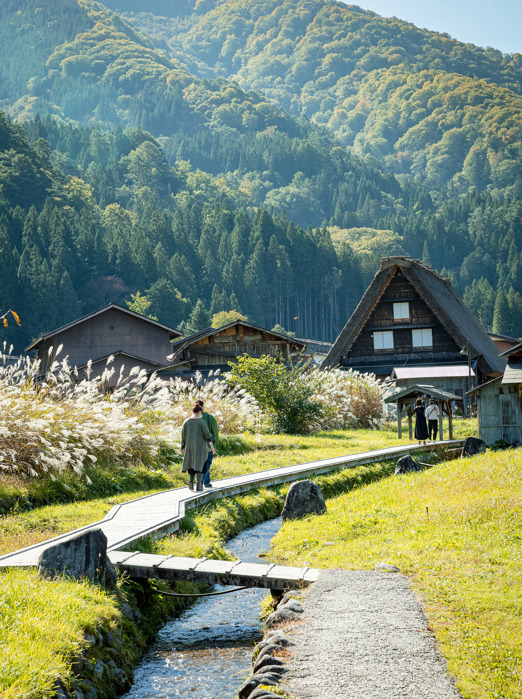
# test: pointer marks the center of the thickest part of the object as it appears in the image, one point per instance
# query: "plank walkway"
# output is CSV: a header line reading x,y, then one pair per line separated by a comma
x,y
161,513
213,572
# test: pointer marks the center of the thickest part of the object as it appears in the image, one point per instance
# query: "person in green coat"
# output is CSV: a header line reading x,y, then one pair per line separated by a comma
x,y
212,425
196,441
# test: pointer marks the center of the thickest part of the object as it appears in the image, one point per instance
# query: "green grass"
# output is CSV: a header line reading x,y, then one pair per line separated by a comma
x,y
42,629
457,531
247,454
30,608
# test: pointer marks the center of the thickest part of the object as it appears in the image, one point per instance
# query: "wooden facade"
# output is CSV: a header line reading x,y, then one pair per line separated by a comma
x,y
212,349
435,344
500,403
133,339
411,317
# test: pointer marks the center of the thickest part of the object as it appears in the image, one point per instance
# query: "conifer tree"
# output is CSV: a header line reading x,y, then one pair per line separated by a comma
x,y
198,320
501,314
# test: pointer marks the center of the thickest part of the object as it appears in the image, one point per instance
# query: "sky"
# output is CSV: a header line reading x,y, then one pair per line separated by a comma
x,y
496,23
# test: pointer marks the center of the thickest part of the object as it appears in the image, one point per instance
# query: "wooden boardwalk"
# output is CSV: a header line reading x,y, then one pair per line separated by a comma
x,y
213,572
161,513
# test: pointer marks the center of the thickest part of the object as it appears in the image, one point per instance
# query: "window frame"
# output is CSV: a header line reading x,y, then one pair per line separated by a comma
x,y
398,311
383,335
422,332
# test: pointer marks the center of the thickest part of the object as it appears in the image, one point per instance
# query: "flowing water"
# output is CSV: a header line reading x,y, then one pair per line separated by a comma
x,y
206,652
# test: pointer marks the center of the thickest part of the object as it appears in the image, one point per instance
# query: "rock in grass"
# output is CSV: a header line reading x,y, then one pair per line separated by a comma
x,y
473,446
81,556
387,568
406,464
303,498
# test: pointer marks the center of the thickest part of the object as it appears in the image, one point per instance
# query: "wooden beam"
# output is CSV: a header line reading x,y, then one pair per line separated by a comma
x,y
410,426
450,421
399,418
441,418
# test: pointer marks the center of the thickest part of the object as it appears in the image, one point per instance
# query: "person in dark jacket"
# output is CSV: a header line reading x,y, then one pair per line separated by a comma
x,y
421,428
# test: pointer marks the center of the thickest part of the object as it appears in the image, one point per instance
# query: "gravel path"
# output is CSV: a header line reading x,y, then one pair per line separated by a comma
x,y
364,636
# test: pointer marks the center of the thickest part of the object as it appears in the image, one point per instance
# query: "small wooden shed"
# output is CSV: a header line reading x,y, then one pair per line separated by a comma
x,y
405,400
500,402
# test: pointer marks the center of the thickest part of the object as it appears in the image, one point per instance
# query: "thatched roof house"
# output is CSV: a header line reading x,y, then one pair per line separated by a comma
x,y
411,316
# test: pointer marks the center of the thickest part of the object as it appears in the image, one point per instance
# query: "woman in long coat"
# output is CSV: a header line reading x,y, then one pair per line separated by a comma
x,y
195,443
421,427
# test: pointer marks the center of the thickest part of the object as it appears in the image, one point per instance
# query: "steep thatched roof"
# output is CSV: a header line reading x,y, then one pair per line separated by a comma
x,y
439,296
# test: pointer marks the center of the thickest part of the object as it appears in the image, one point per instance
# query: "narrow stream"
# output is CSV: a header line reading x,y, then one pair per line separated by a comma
x,y
205,652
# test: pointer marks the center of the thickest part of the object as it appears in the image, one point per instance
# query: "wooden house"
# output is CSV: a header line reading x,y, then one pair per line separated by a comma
x,y
131,338
212,349
411,318
500,402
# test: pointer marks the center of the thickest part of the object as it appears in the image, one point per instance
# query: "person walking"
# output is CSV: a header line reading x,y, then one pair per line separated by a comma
x,y
196,440
211,423
432,415
421,428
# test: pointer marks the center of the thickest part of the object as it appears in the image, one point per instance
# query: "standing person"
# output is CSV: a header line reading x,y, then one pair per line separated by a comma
x,y
432,415
421,428
195,443
211,423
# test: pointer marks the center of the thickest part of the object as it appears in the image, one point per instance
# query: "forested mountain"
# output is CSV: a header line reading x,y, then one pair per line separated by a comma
x,y
420,102
90,217
142,167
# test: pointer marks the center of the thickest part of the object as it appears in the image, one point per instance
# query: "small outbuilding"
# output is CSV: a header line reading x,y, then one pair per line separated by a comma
x,y
500,402
405,400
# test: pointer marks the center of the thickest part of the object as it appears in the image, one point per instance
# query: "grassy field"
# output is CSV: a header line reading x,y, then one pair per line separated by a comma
x,y
256,453
457,531
30,607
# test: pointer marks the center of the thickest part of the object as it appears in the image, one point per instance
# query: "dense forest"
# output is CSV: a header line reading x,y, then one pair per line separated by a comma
x,y
160,153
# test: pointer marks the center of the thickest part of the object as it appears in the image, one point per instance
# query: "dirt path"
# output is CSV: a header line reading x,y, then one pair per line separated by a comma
x,y
364,636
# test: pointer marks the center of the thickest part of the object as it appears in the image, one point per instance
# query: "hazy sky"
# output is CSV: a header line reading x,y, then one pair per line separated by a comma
x,y
496,23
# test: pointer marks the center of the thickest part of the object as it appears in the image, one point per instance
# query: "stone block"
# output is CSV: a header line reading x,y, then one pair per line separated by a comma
x,y
81,556
303,498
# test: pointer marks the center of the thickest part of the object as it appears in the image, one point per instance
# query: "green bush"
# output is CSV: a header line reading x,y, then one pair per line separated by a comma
x,y
286,393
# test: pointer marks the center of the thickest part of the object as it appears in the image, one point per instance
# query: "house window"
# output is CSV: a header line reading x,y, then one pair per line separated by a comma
x,y
422,337
383,340
401,311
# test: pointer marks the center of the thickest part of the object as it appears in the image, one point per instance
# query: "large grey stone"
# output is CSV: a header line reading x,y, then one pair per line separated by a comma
x,y
473,446
293,605
266,661
303,498
406,464
253,682
280,616
81,556
261,693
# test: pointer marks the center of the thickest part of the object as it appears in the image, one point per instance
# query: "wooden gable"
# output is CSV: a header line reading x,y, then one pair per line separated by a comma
x,y
399,294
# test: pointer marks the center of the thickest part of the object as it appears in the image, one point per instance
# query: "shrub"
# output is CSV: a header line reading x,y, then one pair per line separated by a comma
x,y
286,393
300,398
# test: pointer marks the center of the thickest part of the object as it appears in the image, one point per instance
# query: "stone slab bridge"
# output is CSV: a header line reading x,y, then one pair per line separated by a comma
x,y
161,513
